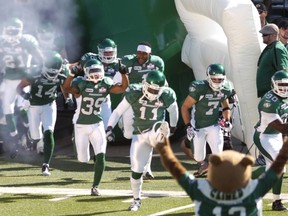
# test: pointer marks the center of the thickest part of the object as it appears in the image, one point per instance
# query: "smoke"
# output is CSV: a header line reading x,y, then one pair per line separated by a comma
x,y
62,14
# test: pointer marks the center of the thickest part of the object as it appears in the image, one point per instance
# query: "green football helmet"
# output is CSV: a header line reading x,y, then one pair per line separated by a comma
x,y
45,33
216,76
12,31
52,65
107,51
94,70
279,83
87,57
153,85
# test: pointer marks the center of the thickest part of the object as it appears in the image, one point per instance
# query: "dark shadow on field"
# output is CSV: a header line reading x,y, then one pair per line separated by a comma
x,y
16,197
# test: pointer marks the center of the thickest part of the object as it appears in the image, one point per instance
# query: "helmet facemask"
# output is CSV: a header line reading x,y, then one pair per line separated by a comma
x,y
51,74
280,87
107,55
52,66
94,73
151,91
216,82
107,51
12,34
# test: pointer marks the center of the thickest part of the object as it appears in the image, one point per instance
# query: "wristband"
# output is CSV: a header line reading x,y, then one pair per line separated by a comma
x,y
226,108
71,74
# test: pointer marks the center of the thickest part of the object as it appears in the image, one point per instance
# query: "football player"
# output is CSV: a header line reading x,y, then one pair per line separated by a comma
x,y
89,125
16,51
149,102
272,125
205,98
42,110
139,65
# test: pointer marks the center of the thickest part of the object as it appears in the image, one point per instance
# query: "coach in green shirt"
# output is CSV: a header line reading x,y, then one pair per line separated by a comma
x,y
273,58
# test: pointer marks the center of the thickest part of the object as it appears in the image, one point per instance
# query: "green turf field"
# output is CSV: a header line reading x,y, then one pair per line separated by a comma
x,y
24,191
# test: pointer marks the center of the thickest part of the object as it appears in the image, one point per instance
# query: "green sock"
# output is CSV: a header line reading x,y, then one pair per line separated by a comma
x,y
99,168
24,116
276,189
11,123
49,144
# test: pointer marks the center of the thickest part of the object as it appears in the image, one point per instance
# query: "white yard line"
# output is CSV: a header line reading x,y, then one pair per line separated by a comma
x,y
77,192
106,192
172,210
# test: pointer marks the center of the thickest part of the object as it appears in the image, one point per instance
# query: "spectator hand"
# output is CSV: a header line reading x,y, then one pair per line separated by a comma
x,y
122,68
110,135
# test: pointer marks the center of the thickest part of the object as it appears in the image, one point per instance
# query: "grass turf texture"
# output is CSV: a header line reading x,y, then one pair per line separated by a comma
x,y
67,173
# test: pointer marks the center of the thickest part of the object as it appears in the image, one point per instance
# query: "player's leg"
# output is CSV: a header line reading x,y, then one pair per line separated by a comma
x,y
8,109
215,139
49,115
35,128
99,143
82,144
272,144
140,152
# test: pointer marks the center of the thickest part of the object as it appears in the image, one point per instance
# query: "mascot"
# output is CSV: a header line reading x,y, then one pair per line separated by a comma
x,y
228,189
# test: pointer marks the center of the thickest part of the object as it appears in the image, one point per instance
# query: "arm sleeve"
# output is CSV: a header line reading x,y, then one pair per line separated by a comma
x,y
173,114
117,113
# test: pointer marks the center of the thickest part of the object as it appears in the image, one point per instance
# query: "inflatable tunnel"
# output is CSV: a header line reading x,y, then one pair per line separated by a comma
x,y
226,32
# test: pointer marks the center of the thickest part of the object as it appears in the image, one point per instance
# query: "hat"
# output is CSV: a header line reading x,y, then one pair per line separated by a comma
x,y
269,29
283,24
261,7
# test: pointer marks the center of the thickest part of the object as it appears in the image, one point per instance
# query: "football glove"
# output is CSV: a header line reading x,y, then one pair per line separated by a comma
x,y
122,68
110,136
225,125
191,132
69,102
75,69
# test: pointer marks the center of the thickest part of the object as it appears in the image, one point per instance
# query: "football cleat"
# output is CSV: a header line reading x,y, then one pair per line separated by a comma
x,y
203,169
278,206
148,176
45,170
95,191
135,206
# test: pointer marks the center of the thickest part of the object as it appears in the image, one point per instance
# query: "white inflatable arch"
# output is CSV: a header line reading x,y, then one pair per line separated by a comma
x,y
226,32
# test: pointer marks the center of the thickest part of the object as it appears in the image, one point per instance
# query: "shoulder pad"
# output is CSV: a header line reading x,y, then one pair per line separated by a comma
x,y
29,38
135,87
128,57
168,92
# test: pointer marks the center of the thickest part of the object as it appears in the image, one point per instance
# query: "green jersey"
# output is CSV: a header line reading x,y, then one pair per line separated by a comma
x,y
206,111
273,58
93,96
271,104
245,201
146,112
15,58
44,91
137,72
